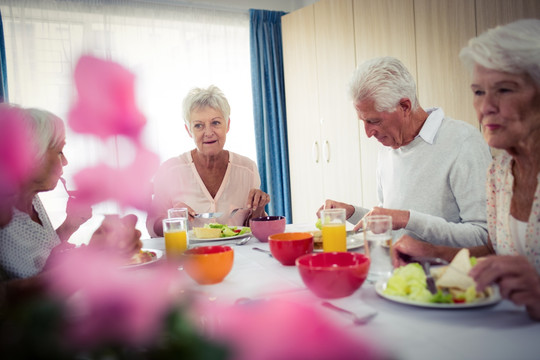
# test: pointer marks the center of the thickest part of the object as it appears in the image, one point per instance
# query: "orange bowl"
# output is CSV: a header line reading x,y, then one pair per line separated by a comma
x,y
333,274
208,264
287,247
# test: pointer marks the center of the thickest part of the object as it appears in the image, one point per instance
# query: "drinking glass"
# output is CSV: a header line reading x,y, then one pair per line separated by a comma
x,y
176,239
377,243
177,213
334,235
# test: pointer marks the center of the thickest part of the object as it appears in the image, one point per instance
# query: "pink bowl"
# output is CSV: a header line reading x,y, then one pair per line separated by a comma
x,y
263,227
287,247
333,274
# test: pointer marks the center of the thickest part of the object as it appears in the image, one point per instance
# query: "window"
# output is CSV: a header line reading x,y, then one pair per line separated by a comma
x,y
170,49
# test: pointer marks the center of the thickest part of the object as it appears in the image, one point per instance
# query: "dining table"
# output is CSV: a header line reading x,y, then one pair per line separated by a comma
x,y
501,330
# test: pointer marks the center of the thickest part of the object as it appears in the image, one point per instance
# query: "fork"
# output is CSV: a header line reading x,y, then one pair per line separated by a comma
x,y
357,320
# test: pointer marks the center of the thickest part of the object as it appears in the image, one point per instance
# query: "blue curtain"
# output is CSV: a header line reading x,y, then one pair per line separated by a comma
x,y
3,69
269,109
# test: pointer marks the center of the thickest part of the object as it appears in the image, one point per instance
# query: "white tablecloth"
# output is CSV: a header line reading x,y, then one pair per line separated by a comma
x,y
503,331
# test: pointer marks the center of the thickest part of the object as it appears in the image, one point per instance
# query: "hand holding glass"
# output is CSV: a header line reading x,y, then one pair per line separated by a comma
x,y
377,243
334,234
176,240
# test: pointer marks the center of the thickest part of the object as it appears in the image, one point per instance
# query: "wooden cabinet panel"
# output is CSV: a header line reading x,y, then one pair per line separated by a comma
x,y
443,27
490,13
381,28
301,93
334,35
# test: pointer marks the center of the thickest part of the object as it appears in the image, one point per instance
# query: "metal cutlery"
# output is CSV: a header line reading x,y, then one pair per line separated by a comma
x,y
243,241
71,193
263,251
208,215
357,320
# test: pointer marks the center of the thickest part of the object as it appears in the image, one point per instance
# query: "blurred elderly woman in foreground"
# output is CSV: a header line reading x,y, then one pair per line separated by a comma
x,y
207,178
505,64
27,237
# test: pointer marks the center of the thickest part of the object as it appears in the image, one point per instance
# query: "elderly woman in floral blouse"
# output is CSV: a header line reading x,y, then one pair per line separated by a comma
x,y
505,63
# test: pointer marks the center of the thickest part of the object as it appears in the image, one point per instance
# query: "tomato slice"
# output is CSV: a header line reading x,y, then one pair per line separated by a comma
x,y
458,301
237,231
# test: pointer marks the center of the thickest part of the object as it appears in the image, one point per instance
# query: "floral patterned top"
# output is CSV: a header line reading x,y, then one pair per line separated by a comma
x,y
500,183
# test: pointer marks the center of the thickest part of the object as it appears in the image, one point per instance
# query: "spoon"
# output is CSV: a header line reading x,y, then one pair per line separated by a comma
x,y
263,251
243,241
362,320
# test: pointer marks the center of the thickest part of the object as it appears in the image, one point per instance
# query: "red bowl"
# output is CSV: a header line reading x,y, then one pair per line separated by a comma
x,y
263,227
333,275
287,247
208,264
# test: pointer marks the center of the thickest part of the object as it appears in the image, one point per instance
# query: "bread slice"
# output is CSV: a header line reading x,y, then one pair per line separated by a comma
x,y
455,275
206,233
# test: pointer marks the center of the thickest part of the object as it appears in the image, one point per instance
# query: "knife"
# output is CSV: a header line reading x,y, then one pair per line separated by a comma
x,y
208,215
352,232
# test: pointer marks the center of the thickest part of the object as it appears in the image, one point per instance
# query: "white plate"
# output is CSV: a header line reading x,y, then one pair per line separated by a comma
x,y
159,255
353,242
495,297
192,237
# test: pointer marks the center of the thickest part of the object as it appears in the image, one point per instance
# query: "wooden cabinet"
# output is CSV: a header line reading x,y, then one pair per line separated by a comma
x,y
330,155
323,133
443,27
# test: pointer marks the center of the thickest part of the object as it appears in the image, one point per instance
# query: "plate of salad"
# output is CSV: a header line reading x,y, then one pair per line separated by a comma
x,y
225,232
455,288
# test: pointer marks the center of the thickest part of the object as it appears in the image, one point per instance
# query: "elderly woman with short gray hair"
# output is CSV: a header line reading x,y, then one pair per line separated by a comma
x,y
207,178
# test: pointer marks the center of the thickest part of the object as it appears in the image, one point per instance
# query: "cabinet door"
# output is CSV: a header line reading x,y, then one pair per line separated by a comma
x,y
490,13
303,129
334,35
374,37
443,27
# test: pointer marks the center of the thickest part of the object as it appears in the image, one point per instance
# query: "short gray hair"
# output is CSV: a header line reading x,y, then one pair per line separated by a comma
x,y
513,48
199,98
386,81
47,129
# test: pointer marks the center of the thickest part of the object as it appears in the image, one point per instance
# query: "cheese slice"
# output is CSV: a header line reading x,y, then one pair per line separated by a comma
x,y
206,233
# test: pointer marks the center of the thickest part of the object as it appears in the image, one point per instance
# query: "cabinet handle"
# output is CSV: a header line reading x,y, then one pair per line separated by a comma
x,y
326,151
315,152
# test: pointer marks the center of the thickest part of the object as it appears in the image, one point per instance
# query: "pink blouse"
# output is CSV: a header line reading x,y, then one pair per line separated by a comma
x,y
500,183
177,180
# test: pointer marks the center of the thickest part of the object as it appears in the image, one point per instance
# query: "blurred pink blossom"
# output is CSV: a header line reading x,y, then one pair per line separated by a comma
x,y
281,329
18,156
130,185
106,107
107,303
106,100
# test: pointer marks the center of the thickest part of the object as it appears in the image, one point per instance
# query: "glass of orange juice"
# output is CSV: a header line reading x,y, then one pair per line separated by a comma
x,y
334,235
176,239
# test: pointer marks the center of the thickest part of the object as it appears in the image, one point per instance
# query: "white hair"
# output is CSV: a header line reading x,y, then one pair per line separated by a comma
x,y
386,81
199,98
48,130
513,48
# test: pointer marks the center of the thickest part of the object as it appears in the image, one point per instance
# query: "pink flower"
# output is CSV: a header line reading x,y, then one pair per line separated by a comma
x,y
130,186
106,103
280,329
109,304
18,152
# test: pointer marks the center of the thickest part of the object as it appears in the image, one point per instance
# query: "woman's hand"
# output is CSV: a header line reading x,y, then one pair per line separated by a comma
x,y
257,200
331,204
117,235
517,279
